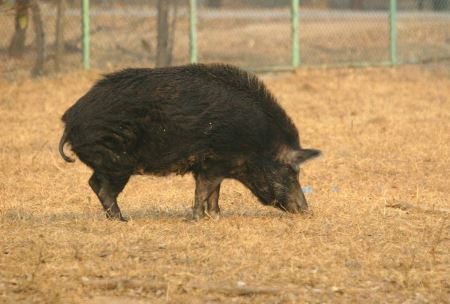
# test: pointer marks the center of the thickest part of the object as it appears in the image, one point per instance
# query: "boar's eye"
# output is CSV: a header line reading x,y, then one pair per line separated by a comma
x,y
292,169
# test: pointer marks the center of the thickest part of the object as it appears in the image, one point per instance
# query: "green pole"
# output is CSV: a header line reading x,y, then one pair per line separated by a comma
x,y
193,31
85,30
295,33
393,31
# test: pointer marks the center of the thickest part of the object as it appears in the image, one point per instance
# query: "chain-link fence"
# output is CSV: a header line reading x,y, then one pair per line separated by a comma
x,y
424,31
358,32
249,33
28,31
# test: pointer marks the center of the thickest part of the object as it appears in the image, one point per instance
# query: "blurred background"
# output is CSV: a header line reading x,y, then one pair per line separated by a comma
x,y
45,36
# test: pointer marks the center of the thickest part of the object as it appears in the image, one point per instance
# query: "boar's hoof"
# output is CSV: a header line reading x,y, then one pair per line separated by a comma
x,y
117,217
198,214
212,214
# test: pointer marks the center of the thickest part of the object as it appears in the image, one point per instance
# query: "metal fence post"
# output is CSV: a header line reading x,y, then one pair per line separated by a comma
x,y
295,33
193,31
85,31
393,31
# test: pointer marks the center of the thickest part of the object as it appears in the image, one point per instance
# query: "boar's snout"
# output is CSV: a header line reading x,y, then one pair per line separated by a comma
x,y
296,202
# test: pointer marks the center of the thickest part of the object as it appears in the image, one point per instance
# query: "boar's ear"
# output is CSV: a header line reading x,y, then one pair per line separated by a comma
x,y
304,155
295,157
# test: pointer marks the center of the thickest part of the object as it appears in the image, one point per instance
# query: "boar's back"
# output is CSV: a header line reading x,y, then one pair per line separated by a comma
x,y
168,119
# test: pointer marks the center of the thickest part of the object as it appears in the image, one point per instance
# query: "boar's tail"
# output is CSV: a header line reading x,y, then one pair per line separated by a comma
x,y
62,142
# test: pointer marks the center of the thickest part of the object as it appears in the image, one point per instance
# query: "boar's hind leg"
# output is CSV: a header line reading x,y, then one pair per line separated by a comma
x,y
205,186
213,203
107,190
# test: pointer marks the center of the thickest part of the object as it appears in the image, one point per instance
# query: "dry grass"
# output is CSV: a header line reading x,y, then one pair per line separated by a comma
x,y
379,232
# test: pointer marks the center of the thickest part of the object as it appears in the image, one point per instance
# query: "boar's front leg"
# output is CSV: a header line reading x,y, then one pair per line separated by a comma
x,y
205,187
213,203
107,189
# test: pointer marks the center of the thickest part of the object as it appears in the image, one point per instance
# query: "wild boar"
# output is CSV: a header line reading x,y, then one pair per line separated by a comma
x,y
216,121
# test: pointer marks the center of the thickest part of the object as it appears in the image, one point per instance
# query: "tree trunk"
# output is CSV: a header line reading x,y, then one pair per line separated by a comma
x,y
59,34
356,4
17,44
173,27
420,4
440,5
214,3
162,56
38,68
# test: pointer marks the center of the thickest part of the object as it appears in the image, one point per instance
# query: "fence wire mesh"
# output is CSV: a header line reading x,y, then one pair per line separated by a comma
x,y
124,33
341,36
20,48
248,33
423,31
245,33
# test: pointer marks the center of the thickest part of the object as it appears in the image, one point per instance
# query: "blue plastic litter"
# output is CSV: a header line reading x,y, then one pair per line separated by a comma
x,y
307,189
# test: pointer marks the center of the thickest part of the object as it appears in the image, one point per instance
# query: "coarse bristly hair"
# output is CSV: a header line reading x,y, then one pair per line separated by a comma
x,y
155,118
248,82
236,79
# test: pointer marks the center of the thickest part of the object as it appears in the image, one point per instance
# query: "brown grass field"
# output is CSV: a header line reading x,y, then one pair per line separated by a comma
x,y
378,232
